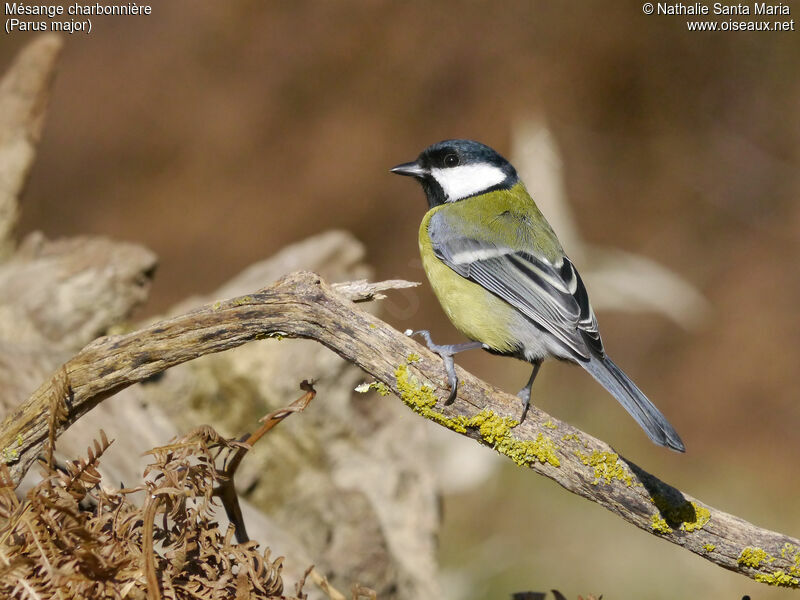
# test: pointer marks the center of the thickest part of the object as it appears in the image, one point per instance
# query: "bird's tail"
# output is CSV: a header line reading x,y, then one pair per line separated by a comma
x,y
634,401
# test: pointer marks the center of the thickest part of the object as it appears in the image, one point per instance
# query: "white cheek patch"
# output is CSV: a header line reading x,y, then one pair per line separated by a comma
x,y
467,180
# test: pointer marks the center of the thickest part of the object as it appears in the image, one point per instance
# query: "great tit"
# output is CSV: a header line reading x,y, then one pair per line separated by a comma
x,y
503,279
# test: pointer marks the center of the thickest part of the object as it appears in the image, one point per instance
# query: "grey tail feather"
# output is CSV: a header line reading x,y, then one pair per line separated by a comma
x,y
611,377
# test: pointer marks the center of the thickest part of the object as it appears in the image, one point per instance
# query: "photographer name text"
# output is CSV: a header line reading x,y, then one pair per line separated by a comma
x,y
718,8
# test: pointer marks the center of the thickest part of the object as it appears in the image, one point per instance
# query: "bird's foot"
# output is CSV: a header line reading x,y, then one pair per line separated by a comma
x,y
446,351
525,395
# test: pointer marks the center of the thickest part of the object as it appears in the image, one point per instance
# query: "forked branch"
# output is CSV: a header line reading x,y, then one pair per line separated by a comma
x,y
303,306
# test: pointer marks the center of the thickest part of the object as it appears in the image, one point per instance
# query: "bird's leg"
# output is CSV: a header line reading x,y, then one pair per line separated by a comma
x,y
447,352
525,393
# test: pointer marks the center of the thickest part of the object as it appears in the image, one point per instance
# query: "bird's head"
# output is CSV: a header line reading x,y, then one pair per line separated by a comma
x,y
456,169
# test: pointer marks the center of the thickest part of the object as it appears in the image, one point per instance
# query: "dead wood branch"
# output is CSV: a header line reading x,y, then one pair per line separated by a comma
x,y
302,305
356,518
24,94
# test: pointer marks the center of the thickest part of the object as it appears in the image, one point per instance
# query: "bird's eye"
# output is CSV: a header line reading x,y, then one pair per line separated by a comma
x,y
451,160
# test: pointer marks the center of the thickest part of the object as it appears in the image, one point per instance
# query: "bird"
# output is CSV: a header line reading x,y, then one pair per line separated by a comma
x,y
503,279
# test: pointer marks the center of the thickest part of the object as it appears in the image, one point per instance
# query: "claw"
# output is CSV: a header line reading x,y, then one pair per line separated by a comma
x,y
525,393
446,352
452,378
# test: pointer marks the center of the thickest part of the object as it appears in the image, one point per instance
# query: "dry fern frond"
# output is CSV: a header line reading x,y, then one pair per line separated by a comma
x,y
51,546
9,502
82,475
159,539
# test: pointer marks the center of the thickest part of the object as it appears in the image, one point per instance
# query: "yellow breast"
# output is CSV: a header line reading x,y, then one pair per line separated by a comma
x,y
475,312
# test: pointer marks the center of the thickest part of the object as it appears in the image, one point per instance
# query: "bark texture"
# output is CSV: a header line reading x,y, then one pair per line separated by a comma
x,y
302,305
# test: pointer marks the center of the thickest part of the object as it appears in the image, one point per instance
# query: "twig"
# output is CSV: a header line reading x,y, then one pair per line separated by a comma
x,y
363,291
322,583
226,490
301,305
359,591
148,552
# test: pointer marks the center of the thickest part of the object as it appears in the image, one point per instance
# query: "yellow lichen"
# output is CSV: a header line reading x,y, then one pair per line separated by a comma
x,y
542,449
12,453
413,358
550,425
494,430
217,305
787,550
659,525
119,329
242,300
791,551
689,515
378,386
607,467
569,437
702,516
777,578
421,399
709,547
753,557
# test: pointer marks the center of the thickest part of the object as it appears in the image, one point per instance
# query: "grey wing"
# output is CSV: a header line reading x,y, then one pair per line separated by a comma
x,y
552,296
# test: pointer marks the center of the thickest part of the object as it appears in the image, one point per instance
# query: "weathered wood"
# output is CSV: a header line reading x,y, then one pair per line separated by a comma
x,y
366,504
24,92
302,305
56,296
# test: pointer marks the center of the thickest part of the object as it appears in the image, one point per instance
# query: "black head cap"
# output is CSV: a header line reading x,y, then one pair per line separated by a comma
x,y
456,169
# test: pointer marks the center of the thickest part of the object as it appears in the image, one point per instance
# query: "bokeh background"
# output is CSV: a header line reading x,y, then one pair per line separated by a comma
x,y
216,133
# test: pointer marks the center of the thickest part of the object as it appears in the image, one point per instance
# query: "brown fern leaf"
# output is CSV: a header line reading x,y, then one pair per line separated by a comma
x,y
9,503
82,474
167,524
15,567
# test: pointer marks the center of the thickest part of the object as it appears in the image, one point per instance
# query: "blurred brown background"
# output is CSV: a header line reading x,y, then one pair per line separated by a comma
x,y
215,133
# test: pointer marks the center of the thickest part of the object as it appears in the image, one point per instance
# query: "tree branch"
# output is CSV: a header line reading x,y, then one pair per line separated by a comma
x,y
302,305
24,94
